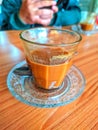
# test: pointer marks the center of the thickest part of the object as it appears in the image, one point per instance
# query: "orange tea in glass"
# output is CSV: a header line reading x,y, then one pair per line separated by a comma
x,y
49,53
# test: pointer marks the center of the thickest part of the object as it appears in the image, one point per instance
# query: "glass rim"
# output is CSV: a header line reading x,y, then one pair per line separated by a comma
x,y
58,45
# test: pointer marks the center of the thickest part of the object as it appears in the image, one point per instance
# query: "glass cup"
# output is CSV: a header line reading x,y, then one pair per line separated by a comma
x,y
87,22
49,53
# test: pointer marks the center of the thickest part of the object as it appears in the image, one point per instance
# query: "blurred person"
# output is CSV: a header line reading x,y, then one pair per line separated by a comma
x,y
25,14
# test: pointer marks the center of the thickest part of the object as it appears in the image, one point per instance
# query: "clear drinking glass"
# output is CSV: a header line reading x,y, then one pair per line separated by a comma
x,y
87,23
49,53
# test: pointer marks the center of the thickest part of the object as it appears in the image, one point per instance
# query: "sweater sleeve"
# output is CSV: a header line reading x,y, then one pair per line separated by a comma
x,y
66,17
10,19
16,23
68,14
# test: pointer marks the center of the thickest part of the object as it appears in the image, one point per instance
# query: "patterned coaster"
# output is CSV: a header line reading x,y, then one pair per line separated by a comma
x,y
24,89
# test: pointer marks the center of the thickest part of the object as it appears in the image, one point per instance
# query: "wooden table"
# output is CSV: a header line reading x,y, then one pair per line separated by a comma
x,y
81,114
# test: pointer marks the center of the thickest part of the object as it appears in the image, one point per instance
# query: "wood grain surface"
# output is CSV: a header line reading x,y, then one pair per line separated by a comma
x,y
81,114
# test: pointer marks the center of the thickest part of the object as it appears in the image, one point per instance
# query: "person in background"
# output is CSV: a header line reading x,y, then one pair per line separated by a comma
x,y
25,14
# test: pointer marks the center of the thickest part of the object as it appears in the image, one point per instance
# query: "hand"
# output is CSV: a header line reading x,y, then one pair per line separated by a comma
x,y
32,11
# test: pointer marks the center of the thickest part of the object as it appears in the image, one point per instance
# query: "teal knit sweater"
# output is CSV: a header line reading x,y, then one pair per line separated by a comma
x,y
69,13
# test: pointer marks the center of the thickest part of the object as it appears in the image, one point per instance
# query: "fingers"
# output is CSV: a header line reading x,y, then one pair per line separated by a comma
x,y
29,1
45,13
45,22
41,21
31,13
44,3
55,9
